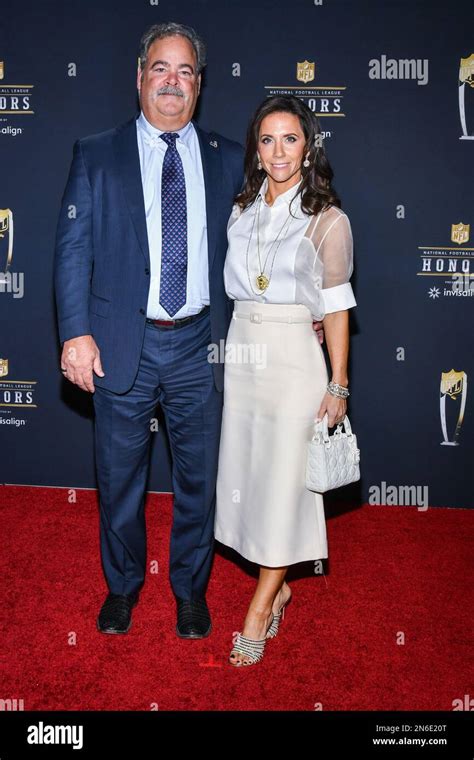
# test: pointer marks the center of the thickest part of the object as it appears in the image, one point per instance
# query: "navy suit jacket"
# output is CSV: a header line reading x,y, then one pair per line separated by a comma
x,y
102,260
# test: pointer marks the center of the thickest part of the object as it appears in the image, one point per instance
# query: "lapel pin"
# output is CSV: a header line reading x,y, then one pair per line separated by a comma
x,y
213,143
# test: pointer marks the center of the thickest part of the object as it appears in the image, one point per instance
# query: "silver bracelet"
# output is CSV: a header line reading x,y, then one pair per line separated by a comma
x,y
337,390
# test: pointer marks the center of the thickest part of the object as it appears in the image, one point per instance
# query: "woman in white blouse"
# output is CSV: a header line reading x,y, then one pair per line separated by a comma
x,y
289,262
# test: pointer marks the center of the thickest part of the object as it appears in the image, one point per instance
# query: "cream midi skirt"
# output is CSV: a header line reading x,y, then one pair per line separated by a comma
x,y
275,379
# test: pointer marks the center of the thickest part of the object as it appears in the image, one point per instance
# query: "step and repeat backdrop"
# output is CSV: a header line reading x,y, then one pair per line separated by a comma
x,y
393,85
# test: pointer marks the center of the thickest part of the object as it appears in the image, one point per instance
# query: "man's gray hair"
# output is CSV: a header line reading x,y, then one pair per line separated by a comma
x,y
158,31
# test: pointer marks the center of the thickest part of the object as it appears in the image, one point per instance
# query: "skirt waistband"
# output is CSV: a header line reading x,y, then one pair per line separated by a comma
x,y
257,312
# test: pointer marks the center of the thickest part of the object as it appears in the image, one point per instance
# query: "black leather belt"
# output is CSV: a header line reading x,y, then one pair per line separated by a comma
x,y
175,323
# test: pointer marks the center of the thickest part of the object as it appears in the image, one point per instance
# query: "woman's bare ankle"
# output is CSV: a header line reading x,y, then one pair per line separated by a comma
x,y
281,597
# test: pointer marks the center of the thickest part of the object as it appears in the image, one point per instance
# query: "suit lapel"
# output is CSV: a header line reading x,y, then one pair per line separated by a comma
x,y
128,159
212,170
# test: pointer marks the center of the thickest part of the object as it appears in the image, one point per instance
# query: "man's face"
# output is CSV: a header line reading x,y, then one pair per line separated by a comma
x,y
170,85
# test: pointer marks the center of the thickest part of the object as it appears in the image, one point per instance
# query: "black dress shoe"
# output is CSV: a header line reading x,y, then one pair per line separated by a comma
x,y
194,620
116,613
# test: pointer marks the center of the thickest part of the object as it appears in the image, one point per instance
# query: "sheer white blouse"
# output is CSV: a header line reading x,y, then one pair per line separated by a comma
x,y
309,259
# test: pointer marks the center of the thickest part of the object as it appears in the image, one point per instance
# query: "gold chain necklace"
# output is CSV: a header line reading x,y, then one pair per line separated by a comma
x,y
262,281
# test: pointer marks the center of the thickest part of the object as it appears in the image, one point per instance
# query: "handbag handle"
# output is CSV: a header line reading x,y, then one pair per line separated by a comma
x,y
321,430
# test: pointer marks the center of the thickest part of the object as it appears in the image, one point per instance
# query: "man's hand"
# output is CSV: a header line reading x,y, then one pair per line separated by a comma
x,y
318,327
80,357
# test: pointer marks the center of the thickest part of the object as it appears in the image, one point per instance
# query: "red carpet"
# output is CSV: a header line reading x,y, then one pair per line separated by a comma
x,y
391,570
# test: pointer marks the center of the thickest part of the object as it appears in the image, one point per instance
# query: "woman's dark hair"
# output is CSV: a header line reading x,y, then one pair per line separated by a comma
x,y
316,190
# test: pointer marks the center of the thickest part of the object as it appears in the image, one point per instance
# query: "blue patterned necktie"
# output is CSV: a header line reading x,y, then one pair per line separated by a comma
x,y
174,229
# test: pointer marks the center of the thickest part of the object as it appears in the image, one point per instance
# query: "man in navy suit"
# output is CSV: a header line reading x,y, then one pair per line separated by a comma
x,y
140,250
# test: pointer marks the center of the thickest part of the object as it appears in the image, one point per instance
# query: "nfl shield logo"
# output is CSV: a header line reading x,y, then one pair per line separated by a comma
x,y
3,367
466,69
305,71
451,382
460,233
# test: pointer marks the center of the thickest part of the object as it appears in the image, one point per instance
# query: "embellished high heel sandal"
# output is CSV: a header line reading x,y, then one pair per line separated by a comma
x,y
277,618
252,649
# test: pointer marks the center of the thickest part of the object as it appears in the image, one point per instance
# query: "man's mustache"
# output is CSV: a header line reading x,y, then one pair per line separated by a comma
x,y
170,90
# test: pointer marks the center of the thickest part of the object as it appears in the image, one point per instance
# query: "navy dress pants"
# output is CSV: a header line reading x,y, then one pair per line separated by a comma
x,y
175,373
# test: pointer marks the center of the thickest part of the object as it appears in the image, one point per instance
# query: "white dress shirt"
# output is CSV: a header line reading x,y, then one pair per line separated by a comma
x,y
152,152
308,259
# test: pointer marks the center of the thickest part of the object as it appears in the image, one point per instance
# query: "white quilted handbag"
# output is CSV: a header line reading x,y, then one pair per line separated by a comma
x,y
332,461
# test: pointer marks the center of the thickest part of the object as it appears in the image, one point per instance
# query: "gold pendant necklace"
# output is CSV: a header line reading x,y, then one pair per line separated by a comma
x,y
262,280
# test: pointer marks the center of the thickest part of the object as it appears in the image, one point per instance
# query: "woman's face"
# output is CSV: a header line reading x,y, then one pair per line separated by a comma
x,y
281,146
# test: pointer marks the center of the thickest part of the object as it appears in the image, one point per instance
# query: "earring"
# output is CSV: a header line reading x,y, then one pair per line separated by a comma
x,y
306,162
259,164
